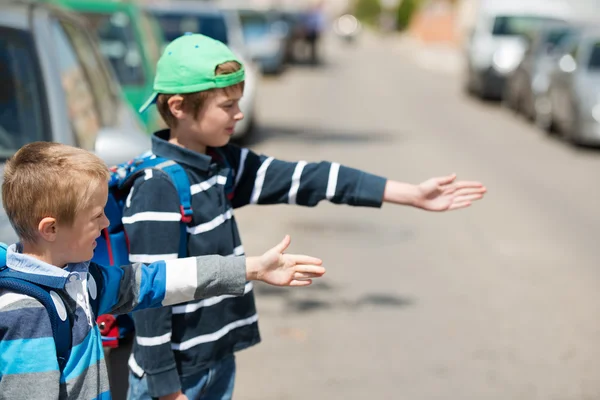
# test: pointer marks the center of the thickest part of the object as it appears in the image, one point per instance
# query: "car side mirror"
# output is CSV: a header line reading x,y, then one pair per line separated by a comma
x,y
115,146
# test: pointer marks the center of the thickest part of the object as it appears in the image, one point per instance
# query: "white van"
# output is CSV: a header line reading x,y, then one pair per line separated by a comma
x,y
495,41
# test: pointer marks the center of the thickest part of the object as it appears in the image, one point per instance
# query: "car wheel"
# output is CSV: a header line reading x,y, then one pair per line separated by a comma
x,y
542,114
573,134
468,84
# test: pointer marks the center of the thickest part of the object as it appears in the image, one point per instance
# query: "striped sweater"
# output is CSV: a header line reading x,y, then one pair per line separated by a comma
x,y
28,361
187,338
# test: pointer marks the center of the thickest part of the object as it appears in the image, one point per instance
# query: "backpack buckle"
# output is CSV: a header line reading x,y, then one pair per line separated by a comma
x,y
186,215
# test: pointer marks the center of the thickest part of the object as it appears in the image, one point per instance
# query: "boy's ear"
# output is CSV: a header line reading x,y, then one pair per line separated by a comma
x,y
48,229
176,106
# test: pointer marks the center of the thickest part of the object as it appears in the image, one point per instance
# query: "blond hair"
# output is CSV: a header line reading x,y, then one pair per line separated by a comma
x,y
46,179
193,102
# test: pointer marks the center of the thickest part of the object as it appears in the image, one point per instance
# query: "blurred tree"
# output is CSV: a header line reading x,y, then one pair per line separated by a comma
x,y
368,11
405,12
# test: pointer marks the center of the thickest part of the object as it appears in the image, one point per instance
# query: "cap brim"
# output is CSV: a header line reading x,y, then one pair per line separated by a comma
x,y
151,100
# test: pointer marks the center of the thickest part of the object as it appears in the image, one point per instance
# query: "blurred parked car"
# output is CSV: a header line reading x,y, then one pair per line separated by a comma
x,y
496,44
55,86
574,91
528,83
295,33
265,38
179,17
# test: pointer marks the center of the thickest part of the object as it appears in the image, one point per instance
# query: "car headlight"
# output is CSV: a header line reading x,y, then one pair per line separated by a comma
x,y
505,60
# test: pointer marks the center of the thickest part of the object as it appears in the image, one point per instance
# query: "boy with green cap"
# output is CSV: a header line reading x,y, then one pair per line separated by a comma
x,y
187,351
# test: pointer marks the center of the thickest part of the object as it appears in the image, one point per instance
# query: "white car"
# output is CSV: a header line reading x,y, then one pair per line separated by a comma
x,y
496,43
178,17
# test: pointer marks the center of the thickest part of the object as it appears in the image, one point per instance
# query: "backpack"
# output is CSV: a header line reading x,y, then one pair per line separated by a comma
x,y
43,289
112,248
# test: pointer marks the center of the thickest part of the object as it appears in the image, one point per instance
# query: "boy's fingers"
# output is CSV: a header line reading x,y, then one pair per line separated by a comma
x,y
309,269
460,199
302,259
300,283
284,244
459,204
446,179
468,184
470,190
302,276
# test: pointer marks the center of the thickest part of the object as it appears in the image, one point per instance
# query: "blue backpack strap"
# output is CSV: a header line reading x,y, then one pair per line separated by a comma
x,y
182,183
61,330
95,287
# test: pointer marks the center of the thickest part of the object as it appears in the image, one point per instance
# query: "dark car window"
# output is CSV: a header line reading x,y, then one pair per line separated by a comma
x,y
210,25
518,25
83,112
551,40
22,98
594,63
118,43
254,25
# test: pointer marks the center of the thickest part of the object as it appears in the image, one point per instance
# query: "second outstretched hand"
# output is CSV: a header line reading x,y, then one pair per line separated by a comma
x,y
435,194
279,269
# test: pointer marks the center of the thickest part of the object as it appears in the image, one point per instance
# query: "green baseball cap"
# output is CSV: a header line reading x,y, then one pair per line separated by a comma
x,y
189,64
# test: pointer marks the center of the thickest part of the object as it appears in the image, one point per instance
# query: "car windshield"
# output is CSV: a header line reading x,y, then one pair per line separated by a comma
x,y
119,45
556,36
254,25
22,104
518,25
175,25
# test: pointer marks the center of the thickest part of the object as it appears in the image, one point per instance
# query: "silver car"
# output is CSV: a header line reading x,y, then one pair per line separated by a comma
x,y
178,17
496,44
574,91
529,81
55,86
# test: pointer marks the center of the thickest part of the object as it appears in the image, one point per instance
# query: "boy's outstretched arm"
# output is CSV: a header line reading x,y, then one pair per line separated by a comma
x,y
435,194
139,286
264,180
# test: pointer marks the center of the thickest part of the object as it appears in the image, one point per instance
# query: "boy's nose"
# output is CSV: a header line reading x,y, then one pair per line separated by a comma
x,y
105,222
239,115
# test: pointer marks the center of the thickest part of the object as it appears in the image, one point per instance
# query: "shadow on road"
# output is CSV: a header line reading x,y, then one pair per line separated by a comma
x,y
311,301
312,135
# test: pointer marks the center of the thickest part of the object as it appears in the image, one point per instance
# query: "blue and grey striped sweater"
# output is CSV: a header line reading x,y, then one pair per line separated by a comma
x,y
28,364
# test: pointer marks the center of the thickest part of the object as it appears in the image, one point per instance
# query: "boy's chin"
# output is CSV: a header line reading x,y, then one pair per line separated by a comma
x,y
80,258
221,141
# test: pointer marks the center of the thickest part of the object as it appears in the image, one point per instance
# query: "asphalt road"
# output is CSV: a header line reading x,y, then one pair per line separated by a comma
x,y
498,301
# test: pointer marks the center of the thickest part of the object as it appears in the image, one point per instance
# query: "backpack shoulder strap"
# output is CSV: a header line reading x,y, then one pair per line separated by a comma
x,y
95,287
181,182
61,329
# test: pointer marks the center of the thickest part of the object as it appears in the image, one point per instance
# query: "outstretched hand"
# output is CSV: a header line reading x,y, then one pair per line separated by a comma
x,y
277,268
445,193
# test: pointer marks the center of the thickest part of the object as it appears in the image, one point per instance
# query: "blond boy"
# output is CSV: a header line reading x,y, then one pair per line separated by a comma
x,y
54,196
